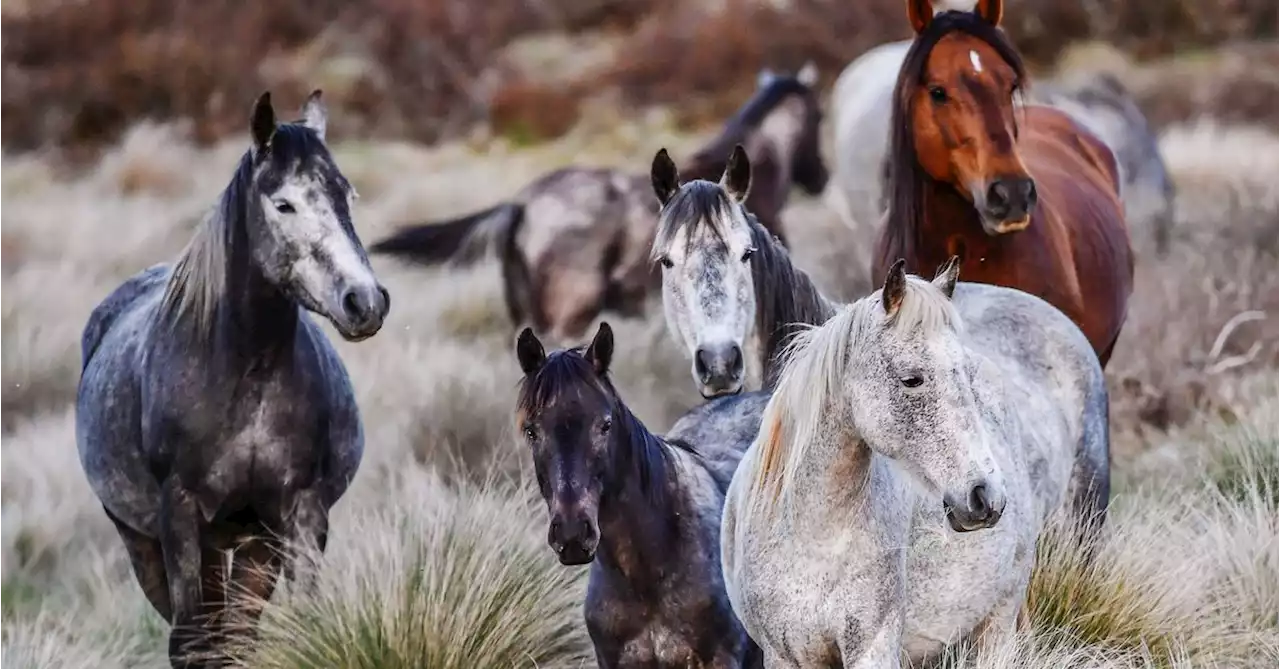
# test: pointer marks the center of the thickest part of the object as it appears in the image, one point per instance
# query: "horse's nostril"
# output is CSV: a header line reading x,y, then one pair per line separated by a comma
x,y
735,359
978,503
352,305
997,195
1031,192
386,300
700,364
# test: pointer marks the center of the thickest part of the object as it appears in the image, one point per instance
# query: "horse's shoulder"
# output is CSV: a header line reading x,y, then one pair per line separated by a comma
x,y
125,297
1062,139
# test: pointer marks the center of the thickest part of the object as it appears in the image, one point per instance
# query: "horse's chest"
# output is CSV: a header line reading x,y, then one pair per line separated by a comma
x,y
656,636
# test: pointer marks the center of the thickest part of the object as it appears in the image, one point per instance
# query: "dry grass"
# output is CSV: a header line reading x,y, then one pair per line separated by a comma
x,y
1188,569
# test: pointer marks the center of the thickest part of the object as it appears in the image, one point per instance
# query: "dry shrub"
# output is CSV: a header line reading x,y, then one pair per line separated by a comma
x,y
530,112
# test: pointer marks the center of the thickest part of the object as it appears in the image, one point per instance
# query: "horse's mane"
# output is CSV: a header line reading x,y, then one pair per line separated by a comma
x,y
787,299
816,365
643,455
698,203
198,283
712,157
907,181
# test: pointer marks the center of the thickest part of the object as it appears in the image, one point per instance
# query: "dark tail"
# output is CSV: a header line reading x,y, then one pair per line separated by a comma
x,y
461,240
518,286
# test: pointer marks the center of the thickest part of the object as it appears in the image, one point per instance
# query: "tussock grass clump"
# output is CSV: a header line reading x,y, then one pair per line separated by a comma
x,y
1182,576
438,580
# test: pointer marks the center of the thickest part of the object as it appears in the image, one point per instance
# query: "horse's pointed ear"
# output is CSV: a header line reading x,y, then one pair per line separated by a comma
x,y
991,11
947,275
737,174
600,352
263,122
529,352
920,13
895,286
665,177
808,75
314,114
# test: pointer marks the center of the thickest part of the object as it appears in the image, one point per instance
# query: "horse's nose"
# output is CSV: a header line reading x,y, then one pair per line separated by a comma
x,y
981,508
1010,200
573,536
719,368
365,307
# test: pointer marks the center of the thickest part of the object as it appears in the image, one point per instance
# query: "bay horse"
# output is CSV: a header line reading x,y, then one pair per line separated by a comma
x,y
914,449
213,415
862,106
1025,196
575,242
729,288
642,510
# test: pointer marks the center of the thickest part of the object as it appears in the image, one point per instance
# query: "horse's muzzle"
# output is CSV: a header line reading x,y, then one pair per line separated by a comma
x,y
980,509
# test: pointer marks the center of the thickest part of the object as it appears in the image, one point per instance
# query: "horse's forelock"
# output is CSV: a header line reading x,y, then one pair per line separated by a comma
x,y
696,205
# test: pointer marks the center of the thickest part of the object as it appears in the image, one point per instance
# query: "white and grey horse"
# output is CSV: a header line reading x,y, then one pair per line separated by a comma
x,y
907,461
730,292
213,416
862,106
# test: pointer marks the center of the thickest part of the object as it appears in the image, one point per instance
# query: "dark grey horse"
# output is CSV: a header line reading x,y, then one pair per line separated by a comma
x,y
644,511
214,419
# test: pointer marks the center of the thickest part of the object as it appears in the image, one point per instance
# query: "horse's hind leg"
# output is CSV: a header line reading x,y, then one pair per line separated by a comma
x,y
148,565
180,541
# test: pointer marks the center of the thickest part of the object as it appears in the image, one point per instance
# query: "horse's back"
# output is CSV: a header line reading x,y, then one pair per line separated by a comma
x,y
721,431
124,299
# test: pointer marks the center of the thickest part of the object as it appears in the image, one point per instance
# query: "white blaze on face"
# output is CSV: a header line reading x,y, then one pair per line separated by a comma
x,y
976,61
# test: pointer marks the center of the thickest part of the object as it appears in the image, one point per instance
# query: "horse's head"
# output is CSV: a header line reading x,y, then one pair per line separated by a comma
x,y
958,86
797,122
704,245
913,397
566,412
299,222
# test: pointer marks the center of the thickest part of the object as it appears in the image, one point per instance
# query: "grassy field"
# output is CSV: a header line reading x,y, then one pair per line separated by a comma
x,y
437,557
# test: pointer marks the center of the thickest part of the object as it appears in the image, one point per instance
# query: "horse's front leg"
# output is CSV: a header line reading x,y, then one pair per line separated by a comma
x,y
874,644
310,535
180,525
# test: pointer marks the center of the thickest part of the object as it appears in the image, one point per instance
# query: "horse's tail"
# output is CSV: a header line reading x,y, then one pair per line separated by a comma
x,y
518,284
461,240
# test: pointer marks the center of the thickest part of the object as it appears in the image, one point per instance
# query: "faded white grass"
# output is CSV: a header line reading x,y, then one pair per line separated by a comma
x,y
440,578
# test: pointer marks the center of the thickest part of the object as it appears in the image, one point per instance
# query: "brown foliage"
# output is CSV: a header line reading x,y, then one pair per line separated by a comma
x,y
77,73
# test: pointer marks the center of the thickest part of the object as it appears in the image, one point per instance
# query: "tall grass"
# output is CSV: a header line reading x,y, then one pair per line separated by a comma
x,y
438,579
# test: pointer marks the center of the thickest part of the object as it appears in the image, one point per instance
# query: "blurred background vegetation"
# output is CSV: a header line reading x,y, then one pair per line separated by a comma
x,y
77,73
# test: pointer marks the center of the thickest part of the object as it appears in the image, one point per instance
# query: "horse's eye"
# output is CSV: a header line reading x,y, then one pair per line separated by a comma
x,y
284,207
938,94
606,425
530,434
912,380
746,255
666,262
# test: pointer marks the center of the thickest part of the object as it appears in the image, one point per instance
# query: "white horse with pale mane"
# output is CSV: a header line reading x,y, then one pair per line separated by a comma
x,y
906,463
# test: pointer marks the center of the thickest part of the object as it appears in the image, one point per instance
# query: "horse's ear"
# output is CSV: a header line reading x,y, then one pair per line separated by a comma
x,y
991,11
737,174
600,352
895,286
808,75
314,114
766,75
529,352
920,13
262,124
665,177
945,279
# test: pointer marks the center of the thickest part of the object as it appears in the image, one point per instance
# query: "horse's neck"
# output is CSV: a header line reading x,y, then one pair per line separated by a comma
x,y
638,525
255,319
947,224
836,472
786,296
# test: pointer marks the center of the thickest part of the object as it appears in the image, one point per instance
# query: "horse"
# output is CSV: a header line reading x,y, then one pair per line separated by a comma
x,y
213,417
727,284
575,242
1026,197
913,451
643,511
862,106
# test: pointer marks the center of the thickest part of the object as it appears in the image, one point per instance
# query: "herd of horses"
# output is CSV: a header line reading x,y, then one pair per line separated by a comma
x,y
878,498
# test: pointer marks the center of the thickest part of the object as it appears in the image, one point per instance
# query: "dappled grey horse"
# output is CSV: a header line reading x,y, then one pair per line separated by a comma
x,y
909,458
729,290
642,510
214,419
